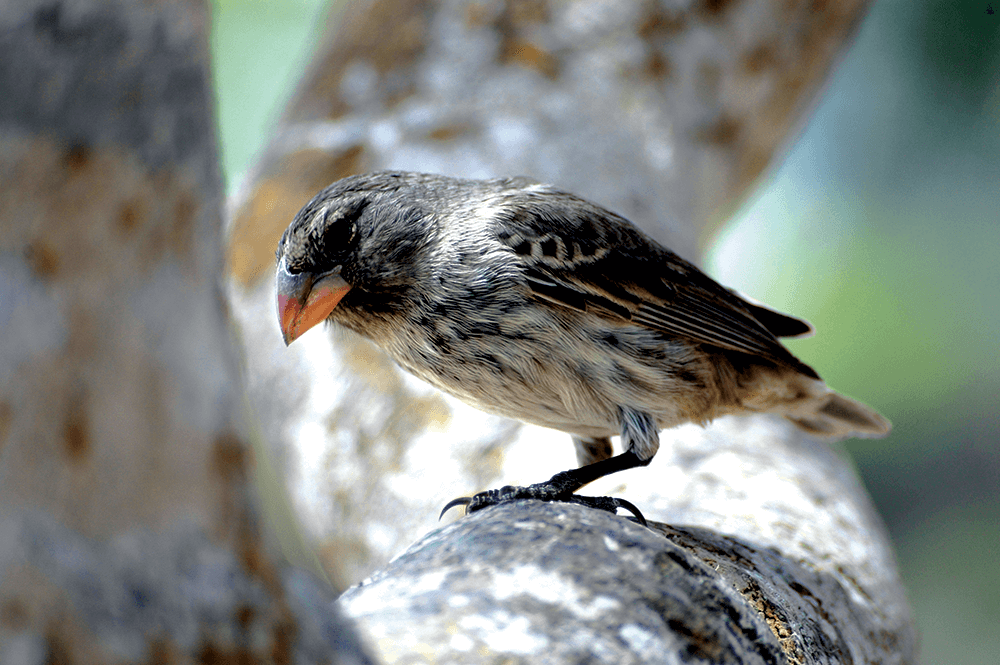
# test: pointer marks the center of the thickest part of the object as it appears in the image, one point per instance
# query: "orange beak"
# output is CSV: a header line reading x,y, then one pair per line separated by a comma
x,y
305,300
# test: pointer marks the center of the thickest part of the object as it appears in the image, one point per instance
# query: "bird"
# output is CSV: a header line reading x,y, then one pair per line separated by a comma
x,y
532,303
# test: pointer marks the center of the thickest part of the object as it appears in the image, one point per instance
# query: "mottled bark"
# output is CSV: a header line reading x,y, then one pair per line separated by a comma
x,y
664,112
128,525
780,560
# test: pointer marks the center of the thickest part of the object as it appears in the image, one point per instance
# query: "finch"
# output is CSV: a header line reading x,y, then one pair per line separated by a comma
x,y
529,302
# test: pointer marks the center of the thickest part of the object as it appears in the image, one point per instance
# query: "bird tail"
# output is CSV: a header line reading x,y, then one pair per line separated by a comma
x,y
825,413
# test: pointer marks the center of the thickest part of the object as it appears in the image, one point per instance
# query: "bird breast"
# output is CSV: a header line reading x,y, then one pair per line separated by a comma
x,y
502,352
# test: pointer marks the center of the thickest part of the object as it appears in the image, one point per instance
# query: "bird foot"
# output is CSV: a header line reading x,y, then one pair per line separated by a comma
x,y
541,492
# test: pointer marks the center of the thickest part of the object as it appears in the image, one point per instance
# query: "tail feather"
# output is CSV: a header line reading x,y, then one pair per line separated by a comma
x,y
833,415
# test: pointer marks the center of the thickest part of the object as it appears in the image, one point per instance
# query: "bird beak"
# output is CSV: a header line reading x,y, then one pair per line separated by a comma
x,y
305,299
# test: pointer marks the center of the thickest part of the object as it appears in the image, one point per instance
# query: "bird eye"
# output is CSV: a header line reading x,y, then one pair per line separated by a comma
x,y
341,225
339,234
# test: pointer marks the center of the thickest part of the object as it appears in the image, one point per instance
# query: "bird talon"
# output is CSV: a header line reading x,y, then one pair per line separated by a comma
x,y
460,501
629,506
510,493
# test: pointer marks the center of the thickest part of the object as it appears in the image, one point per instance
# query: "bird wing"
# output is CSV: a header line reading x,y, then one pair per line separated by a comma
x,y
584,257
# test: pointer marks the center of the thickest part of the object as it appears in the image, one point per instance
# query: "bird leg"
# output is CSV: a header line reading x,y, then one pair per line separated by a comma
x,y
561,487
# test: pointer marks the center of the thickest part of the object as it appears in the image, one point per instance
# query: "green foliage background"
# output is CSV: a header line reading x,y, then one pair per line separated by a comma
x,y
881,227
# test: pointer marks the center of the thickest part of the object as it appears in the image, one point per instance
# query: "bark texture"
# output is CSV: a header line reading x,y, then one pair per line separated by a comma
x,y
795,568
128,528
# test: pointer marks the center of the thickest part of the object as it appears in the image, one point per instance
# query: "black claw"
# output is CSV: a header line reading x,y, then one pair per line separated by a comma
x,y
629,506
561,487
460,501
608,504
506,494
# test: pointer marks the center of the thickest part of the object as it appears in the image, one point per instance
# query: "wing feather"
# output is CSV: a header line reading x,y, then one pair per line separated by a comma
x,y
586,258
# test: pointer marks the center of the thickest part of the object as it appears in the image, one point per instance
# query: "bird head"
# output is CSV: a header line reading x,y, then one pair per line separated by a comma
x,y
358,235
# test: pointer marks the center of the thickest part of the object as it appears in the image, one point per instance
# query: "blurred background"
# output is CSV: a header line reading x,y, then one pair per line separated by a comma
x,y
881,226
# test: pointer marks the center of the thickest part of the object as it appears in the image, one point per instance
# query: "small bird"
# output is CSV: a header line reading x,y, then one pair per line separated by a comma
x,y
529,302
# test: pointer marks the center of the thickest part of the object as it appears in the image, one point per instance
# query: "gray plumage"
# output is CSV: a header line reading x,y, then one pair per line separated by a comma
x,y
532,303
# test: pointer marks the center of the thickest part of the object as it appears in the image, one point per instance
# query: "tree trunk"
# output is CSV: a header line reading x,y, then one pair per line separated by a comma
x,y
128,526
